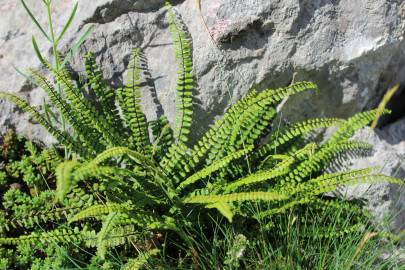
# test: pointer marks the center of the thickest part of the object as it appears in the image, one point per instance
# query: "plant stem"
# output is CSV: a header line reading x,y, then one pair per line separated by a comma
x,y
57,63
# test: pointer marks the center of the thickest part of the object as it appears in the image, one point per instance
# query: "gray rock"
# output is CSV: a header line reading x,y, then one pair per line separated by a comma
x,y
352,49
384,200
16,50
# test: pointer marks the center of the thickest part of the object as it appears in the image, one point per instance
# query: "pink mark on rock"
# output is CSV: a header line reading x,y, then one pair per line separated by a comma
x,y
218,28
220,25
213,8
8,6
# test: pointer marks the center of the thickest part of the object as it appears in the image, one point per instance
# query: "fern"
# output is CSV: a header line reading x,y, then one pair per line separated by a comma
x,y
64,177
102,236
224,208
132,188
211,169
283,136
130,104
185,81
36,218
256,110
90,116
141,260
62,137
58,235
235,197
100,210
163,137
104,93
280,169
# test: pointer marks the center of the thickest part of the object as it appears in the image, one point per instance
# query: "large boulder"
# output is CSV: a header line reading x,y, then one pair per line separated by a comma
x,y
353,49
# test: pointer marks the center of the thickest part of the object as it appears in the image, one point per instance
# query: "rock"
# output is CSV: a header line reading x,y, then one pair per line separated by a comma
x,y
16,30
353,50
384,200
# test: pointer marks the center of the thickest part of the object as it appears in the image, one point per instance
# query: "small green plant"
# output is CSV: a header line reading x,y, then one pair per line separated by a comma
x,y
126,191
54,39
26,179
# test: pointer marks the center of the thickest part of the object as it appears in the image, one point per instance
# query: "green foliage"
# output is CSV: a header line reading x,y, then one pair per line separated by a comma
x,y
185,81
127,194
140,261
26,205
130,98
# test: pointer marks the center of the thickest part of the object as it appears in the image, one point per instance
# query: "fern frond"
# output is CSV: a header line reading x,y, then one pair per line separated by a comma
x,y
105,94
162,137
100,210
141,260
223,208
284,207
130,104
118,236
345,206
61,137
86,172
39,217
71,116
106,228
306,192
185,81
327,185
214,167
91,117
321,158
70,173
353,124
120,151
256,112
281,137
58,235
236,197
280,169
64,178
216,136
177,162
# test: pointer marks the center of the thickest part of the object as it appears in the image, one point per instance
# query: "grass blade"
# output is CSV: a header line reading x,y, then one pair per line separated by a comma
x,y
37,51
35,20
68,23
77,46
387,97
26,76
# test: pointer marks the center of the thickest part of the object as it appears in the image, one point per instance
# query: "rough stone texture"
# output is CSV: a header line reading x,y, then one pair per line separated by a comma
x,y
16,31
354,50
385,201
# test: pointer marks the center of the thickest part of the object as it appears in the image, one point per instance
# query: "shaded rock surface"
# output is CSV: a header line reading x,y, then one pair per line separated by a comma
x,y
384,200
354,51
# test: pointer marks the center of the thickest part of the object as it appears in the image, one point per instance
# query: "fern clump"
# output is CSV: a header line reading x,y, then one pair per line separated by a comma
x,y
127,187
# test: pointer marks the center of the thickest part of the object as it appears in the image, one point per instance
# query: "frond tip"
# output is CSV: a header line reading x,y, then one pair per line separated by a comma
x,y
130,99
185,81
